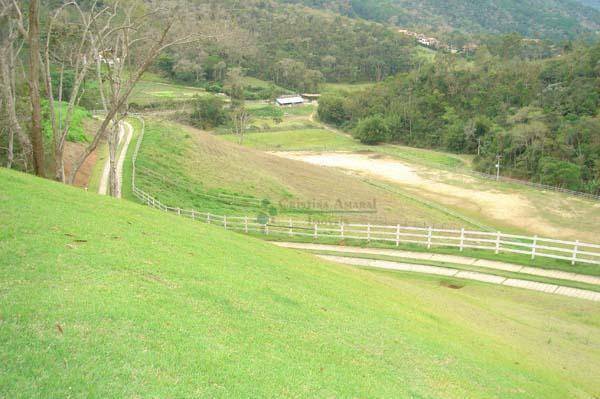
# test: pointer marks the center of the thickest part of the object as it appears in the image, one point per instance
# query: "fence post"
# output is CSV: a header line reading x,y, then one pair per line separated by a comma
x,y
179,211
193,214
291,232
575,249
267,227
225,221
316,234
534,246
369,232
429,237
342,230
398,235
498,243
462,239
246,224
208,218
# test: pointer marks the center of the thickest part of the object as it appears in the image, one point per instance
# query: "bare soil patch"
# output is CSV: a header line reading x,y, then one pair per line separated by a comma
x,y
552,215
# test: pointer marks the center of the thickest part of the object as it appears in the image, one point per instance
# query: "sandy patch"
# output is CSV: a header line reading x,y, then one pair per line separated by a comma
x,y
508,209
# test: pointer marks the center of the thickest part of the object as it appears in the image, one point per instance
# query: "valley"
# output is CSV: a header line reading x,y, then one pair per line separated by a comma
x,y
299,198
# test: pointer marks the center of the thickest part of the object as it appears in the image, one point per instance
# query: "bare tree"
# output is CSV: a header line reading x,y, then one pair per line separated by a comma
x,y
128,50
10,46
240,118
76,52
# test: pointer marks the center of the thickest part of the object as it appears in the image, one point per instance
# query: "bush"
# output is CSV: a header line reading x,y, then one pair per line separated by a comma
x,y
560,173
332,110
208,112
371,130
215,87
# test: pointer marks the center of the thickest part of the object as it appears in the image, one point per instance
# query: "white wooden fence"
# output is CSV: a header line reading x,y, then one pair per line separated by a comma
x,y
497,242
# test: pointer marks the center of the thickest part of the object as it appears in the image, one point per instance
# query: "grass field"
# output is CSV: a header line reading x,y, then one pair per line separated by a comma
x,y
195,162
156,93
439,178
106,298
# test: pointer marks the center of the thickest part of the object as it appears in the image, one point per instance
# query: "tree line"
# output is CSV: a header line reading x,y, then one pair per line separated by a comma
x,y
54,54
539,117
295,47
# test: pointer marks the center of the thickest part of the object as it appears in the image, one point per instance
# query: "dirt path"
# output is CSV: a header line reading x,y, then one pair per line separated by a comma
x,y
125,134
456,273
461,260
467,275
506,208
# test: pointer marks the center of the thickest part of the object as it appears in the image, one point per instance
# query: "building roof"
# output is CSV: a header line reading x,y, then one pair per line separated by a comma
x,y
288,100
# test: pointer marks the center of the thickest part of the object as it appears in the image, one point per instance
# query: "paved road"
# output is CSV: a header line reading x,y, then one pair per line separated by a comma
x,y
125,134
450,272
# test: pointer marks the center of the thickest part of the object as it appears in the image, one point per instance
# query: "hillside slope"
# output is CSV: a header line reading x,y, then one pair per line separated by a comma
x,y
106,298
187,163
554,19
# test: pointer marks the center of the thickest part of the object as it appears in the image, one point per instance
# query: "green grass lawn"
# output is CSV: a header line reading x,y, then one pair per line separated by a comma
x,y
154,93
106,298
281,138
191,163
297,139
466,267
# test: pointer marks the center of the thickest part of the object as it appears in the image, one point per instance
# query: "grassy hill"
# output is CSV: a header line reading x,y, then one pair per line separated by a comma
x,y
180,165
106,298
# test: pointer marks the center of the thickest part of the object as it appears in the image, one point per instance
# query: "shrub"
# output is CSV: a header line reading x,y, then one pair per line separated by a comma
x,y
208,112
371,130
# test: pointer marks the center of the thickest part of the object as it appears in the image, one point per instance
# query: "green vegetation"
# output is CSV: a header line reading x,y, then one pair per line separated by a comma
x,y
465,267
541,117
77,131
298,139
295,47
106,298
371,130
208,112
348,88
155,93
555,19
189,169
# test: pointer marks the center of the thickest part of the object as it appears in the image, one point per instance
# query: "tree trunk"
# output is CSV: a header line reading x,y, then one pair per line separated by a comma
x,y
37,140
113,145
14,128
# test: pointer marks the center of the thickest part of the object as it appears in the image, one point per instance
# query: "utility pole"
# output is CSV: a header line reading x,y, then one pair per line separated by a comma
x,y
498,158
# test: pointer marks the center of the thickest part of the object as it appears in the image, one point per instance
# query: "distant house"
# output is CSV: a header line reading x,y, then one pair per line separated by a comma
x,y
289,101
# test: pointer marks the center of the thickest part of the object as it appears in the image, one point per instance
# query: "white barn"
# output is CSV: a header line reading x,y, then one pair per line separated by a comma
x,y
286,101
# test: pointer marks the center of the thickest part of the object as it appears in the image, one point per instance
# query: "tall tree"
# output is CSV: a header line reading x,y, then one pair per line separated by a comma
x,y
37,138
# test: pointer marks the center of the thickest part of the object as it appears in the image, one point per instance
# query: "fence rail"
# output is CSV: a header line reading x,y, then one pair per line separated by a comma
x,y
538,186
497,242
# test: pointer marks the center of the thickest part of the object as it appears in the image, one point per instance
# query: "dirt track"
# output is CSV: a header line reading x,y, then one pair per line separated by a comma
x,y
505,208
125,134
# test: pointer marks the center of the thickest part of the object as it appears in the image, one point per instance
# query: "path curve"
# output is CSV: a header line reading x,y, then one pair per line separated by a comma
x,y
125,134
468,275
451,272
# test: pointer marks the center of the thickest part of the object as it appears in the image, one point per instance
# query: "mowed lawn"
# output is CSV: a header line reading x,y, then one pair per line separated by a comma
x,y
105,298
152,92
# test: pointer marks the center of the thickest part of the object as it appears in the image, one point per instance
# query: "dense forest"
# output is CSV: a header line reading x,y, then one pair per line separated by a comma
x,y
552,19
295,47
540,116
